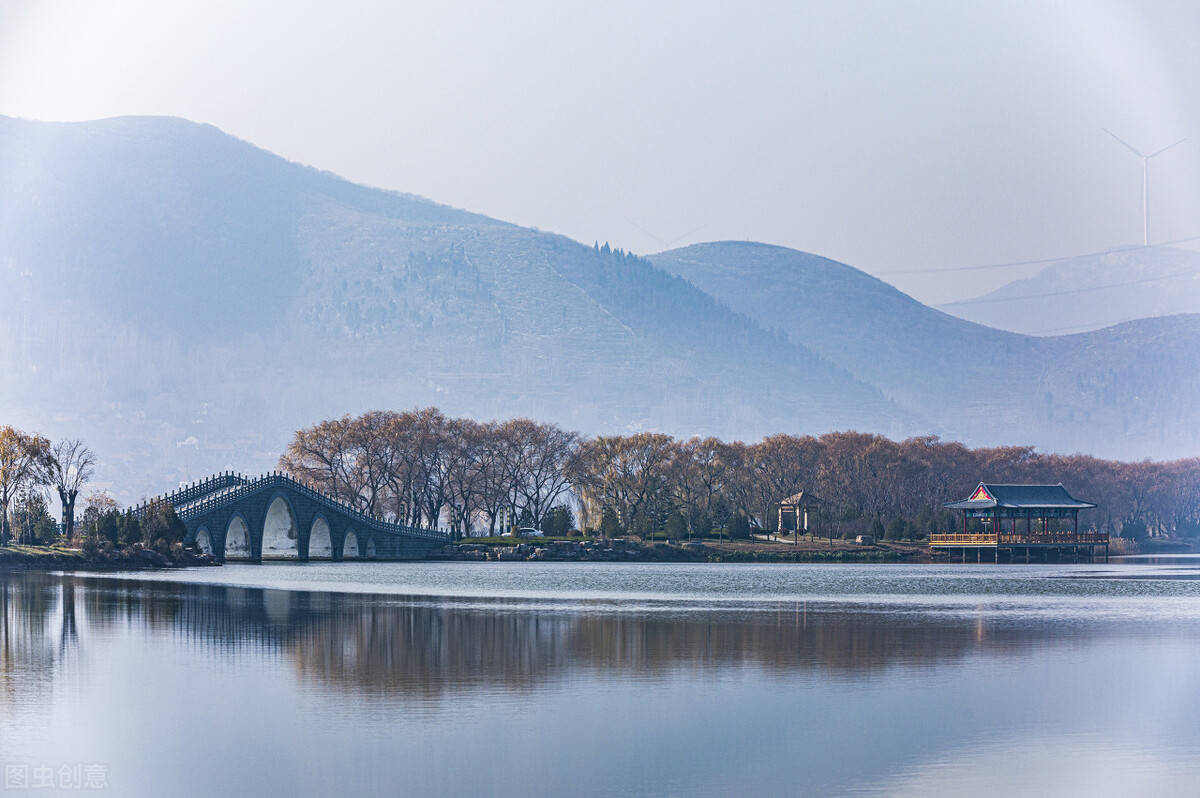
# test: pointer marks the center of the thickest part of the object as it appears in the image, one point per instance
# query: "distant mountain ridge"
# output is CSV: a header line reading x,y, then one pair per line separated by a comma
x,y
1122,390
1091,292
184,300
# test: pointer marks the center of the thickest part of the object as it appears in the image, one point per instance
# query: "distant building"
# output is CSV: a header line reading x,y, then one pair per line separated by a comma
x,y
801,513
1020,519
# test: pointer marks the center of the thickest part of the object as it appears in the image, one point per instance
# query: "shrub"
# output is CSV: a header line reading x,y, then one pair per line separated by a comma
x,y
558,521
739,527
610,527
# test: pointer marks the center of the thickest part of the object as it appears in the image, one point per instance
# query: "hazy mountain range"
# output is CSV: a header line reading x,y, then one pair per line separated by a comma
x,y
183,301
1090,292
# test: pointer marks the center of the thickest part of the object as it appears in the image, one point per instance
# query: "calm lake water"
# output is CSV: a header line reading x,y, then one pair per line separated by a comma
x,y
590,679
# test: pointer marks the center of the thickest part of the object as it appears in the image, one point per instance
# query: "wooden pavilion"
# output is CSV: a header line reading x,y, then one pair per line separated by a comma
x,y
1021,519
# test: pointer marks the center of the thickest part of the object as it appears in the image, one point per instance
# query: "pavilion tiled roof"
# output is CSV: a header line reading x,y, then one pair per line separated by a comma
x,y
1019,497
800,499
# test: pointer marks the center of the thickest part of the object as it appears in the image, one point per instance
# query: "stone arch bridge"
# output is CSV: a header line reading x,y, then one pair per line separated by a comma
x,y
275,517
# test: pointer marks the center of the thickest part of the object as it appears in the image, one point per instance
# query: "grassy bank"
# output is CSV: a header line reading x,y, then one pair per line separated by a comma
x,y
64,558
40,557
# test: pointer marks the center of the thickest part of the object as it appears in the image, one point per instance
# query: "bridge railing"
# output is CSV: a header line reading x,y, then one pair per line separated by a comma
x,y
191,492
219,496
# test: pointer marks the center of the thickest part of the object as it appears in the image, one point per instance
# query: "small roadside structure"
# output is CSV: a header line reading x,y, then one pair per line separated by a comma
x,y
800,513
1021,518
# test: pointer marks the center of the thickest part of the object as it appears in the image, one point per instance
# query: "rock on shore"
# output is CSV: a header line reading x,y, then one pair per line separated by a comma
x,y
618,550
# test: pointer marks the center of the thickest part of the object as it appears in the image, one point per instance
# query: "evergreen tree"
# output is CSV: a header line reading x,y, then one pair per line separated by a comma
x,y
739,527
877,530
610,527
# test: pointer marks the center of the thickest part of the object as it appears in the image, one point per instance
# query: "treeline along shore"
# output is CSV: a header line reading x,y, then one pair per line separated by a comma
x,y
423,467
109,537
508,480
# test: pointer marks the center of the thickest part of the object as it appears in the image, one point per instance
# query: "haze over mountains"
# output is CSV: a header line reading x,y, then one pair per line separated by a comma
x,y
183,300
1092,291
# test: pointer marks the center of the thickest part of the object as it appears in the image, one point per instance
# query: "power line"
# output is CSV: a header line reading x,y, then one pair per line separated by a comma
x,y
1100,325
989,300
1009,264
664,243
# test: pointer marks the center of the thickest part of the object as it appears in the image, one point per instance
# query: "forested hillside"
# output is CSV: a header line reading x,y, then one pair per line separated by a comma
x,y
184,299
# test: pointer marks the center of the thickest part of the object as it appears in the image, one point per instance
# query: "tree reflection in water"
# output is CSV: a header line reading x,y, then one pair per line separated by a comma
x,y
393,645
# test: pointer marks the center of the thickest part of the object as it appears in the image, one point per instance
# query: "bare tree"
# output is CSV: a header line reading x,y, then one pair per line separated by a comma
x,y
624,474
496,476
703,473
71,466
322,455
431,448
464,475
24,460
541,453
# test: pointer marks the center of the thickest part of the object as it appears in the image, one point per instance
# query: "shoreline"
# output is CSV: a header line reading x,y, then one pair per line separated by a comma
x,y
620,550
57,558
61,558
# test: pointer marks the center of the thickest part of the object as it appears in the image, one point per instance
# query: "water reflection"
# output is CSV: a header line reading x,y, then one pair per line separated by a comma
x,y
387,644
233,689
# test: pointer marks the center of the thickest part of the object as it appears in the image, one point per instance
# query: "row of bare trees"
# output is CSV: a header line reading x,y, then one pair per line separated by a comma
x,y
29,464
864,482
420,467
416,466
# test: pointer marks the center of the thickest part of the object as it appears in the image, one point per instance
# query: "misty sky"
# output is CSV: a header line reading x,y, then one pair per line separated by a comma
x,y
892,139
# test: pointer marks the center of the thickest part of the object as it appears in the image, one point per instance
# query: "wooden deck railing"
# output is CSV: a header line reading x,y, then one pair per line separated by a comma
x,y
963,539
1019,539
1065,538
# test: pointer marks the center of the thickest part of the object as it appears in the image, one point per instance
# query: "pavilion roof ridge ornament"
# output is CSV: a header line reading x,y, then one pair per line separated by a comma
x,y
981,494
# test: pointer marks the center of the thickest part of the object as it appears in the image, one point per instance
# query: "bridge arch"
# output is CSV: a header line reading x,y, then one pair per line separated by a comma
x,y
237,539
350,546
275,516
281,532
320,540
204,541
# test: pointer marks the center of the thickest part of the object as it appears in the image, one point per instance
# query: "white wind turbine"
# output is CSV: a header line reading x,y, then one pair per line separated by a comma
x,y
1145,179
